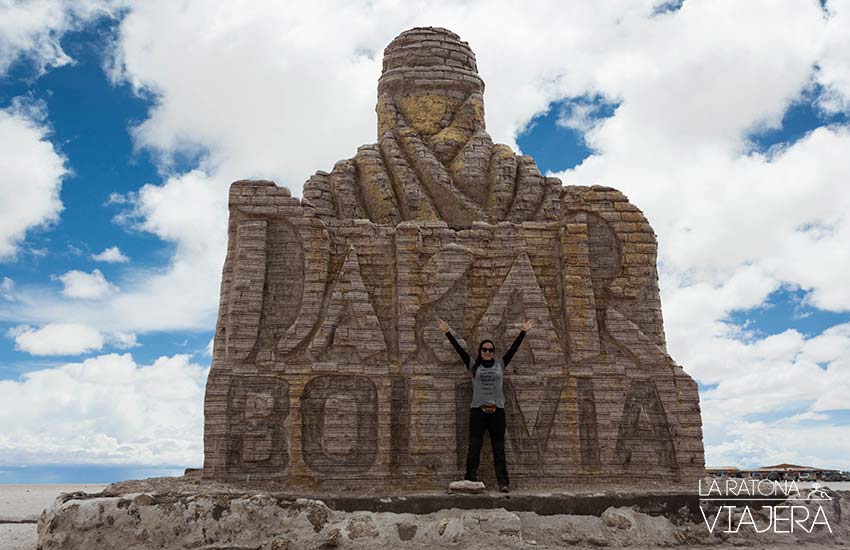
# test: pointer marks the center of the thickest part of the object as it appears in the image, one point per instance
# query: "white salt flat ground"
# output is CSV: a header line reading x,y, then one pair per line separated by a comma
x,y
25,503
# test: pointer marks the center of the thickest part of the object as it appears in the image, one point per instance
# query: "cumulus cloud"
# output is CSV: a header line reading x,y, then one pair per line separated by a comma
x,y
106,409
753,415
68,339
57,339
32,175
32,29
752,444
834,63
79,284
111,255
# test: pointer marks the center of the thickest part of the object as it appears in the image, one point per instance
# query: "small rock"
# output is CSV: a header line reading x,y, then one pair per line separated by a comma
x,y
143,499
469,487
317,512
450,529
406,531
279,544
616,519
498,522
361,526
333,537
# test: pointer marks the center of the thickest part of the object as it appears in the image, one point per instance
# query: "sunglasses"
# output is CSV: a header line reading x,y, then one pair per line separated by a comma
x,y
487,350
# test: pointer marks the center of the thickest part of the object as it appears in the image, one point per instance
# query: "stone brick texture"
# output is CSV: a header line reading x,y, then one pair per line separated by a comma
x,y
328,371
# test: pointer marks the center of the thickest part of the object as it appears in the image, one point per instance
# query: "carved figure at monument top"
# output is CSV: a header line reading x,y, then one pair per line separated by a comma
x,y
328,372
434,159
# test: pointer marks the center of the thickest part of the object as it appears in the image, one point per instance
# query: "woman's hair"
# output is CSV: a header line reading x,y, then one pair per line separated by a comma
x,y
478,359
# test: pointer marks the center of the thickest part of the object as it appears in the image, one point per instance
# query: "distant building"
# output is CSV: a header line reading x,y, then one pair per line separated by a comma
x,y
723,471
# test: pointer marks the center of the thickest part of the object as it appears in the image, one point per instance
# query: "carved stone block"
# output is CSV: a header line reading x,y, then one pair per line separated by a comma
x,y
328,370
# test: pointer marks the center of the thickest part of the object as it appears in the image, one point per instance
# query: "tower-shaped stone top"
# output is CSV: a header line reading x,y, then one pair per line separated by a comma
x,y
427,58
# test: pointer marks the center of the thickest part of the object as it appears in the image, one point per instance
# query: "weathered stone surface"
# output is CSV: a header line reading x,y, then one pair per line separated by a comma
x,y
262,521
617,518
361,526
328,372
406,530
464,486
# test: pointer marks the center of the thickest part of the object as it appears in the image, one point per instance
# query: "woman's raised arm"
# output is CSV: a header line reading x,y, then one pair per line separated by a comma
x,y
526,326
444,327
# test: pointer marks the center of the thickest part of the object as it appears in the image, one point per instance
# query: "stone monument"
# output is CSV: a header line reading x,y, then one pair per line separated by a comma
x,y
328,371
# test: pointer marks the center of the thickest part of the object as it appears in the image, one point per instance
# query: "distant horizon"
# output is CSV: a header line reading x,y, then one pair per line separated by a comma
x,y
46,474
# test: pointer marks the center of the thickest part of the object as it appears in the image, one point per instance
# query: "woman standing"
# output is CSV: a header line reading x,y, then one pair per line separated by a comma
x,y
487,410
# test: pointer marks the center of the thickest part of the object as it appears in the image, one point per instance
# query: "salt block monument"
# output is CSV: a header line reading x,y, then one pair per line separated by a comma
x,y
328,371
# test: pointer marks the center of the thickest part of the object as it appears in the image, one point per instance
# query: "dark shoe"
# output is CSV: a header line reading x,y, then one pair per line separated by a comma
x,y
504,489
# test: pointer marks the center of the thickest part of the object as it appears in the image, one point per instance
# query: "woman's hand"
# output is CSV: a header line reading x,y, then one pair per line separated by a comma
x,y
442,325
528,324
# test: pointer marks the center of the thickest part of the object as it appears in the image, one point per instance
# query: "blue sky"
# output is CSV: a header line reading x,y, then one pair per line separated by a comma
x,y
89,120
734,150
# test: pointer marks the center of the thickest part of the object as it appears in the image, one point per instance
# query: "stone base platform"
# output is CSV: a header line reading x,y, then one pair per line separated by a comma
x,y
184,513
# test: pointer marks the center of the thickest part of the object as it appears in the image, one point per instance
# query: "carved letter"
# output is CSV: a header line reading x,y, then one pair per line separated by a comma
x,y
350,331
644,431
588,435
529,445
257,409
355,427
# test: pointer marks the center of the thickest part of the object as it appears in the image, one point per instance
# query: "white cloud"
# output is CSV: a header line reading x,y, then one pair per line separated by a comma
x,y
91,286
580,115
122,340
32,176
776,377
756,444
105,410
834,63
181,297
57,339
68,339
32,29
7,287
111,255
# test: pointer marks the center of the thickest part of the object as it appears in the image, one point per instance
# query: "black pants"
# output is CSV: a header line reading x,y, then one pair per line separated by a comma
x,y
480,422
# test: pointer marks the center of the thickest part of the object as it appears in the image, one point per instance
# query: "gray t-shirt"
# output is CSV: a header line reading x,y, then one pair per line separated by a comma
x,y
487,385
